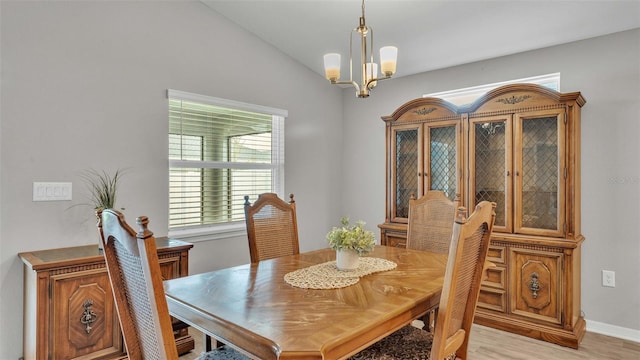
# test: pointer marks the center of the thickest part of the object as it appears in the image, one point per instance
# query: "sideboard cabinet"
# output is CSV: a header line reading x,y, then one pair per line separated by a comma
x,y
517,146
69,311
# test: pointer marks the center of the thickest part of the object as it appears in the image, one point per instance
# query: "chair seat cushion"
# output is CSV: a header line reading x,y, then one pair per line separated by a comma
x,y
222,353
408,343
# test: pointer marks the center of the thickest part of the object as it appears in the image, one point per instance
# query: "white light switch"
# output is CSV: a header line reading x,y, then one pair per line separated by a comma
x,y
51,191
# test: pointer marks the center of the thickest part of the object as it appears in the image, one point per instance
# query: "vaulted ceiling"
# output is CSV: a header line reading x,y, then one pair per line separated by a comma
x,y
429,34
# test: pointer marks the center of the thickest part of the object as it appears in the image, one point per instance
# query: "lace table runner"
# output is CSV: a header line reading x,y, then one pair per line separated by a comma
x,y
327,275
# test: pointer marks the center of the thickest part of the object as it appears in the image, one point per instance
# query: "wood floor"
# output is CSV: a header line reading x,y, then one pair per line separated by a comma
x,y
491,344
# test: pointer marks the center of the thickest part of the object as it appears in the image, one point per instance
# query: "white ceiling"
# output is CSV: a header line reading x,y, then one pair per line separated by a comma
x,y
429,34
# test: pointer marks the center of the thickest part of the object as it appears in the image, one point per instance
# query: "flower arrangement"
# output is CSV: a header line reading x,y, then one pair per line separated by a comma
x,y
353,237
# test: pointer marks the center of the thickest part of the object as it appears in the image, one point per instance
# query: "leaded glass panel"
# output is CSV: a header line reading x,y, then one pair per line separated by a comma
x,y
406,180
490,169
540,173
443,154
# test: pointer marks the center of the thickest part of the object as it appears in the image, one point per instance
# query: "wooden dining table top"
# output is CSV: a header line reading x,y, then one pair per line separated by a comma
x,y
252,307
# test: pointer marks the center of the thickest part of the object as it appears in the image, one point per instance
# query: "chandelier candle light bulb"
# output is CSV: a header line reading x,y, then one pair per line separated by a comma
x,y
332,66
388,56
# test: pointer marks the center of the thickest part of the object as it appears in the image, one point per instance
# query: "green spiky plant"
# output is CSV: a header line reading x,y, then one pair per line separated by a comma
x,y
103,187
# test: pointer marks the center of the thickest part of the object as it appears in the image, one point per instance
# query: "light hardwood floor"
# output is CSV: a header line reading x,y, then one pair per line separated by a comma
x,y
490,344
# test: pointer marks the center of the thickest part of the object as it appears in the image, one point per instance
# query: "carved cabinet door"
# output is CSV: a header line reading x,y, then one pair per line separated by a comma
x,y
84,319
537,284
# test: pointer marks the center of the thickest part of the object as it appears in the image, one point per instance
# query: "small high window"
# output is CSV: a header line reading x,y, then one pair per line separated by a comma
x,y
468,95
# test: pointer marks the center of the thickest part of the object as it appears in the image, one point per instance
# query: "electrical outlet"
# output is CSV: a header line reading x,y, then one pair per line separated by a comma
x,y
608,278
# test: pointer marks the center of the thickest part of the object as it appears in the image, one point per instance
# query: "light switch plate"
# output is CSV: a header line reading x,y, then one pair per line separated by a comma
x,y
52,191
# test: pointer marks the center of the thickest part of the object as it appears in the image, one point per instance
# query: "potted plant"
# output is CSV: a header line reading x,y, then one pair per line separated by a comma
x,y
350,242
103,188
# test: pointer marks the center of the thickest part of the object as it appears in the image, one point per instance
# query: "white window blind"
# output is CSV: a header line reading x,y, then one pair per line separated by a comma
x,y
220,151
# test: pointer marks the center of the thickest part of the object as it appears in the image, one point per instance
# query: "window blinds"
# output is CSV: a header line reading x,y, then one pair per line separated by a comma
x,y
220,151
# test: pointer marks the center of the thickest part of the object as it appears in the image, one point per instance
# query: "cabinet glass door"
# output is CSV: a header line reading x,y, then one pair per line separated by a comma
x,y
405,167
519,164
490,163
539,164
442,159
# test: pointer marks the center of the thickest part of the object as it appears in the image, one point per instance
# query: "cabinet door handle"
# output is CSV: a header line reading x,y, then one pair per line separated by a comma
x,y
517,173
508,173
88,315
534,285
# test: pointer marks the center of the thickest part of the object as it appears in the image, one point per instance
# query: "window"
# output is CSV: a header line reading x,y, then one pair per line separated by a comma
x,y
468,95
220,151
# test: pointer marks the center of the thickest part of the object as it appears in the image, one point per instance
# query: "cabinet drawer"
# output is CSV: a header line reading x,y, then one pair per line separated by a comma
x,y
396,242
536,284
496,254
393,238
496,277
492,299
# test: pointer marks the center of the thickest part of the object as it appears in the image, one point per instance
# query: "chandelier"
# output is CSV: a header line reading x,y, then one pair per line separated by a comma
x,y
368,68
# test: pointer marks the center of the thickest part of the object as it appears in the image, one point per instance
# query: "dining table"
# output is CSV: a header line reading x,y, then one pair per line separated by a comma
x,y
256,309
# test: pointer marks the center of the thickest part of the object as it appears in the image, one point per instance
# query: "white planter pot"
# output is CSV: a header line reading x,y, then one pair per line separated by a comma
x,y
347,260
96,230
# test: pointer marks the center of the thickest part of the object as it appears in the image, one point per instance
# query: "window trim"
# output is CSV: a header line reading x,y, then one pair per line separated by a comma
x,y
210,100
236,228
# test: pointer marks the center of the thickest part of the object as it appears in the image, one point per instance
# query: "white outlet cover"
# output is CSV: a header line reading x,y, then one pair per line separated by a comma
x,y
608,278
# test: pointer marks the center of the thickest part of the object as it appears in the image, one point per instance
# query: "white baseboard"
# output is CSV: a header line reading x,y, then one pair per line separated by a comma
x,y
612,330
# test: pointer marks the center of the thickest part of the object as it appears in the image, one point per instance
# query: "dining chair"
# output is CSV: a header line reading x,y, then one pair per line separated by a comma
x,y
430,227
272,227
137,285
458,299
431,222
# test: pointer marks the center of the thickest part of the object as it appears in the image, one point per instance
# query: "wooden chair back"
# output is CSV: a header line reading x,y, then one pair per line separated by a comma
x,y
465,269
272,227
134,271
431,222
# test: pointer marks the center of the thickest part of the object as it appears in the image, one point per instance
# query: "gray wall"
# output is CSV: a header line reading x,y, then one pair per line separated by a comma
x,y
83,85
606,70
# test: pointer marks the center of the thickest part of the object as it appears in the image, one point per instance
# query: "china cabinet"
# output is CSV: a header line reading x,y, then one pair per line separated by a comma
x,y
426,148
517,146
69,311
